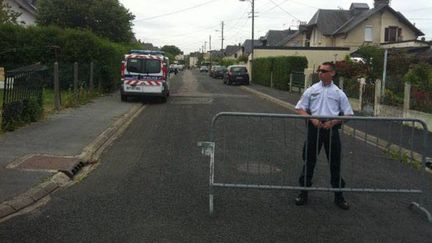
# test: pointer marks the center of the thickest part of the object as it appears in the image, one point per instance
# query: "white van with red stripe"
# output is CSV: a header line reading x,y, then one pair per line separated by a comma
x,y
144,73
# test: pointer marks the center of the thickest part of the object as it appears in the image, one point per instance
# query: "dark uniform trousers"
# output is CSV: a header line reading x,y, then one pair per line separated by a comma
x,y
312,147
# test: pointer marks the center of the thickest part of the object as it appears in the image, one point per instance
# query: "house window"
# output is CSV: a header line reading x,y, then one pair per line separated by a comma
x,y
368,37
393,33
235,55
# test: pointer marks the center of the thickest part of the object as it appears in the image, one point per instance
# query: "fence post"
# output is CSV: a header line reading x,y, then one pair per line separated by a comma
x,y
75,77
271,79
75,86
341,83
57,98
361,88
377,97
290,82
308,81
91,85
407,99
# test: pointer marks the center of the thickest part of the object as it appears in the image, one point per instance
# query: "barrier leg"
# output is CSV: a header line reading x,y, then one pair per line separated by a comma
x,y
417,207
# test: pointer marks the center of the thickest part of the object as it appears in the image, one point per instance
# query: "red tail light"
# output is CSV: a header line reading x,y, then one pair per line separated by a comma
x,y
122,69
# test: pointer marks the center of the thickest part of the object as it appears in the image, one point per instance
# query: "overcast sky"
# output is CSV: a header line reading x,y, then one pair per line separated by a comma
x,y
188,24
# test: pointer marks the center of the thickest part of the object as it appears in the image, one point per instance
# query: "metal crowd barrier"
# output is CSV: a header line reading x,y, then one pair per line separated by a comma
x,y
265,151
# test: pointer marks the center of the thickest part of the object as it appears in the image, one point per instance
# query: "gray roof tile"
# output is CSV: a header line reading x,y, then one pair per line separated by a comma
x,y
231,49
333,22
273,37
247,44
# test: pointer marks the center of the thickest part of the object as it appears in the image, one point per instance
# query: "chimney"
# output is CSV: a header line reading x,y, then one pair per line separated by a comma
x,y
378,3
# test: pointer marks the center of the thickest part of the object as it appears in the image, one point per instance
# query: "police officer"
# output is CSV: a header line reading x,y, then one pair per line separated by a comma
x,y
323,99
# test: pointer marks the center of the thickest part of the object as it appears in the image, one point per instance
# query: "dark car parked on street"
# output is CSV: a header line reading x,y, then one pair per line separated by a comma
x,y
212,70
219,72
236,74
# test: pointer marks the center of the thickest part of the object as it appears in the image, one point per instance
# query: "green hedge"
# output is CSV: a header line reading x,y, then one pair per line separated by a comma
x,y
21,112
21,46
281,67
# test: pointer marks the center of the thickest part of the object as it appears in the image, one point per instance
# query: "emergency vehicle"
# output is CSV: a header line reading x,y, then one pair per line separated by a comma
x,y
144,73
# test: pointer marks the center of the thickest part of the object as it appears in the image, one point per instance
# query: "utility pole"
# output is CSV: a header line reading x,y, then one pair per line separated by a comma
x,y
384,73
210,52
222,36
205,46
253,41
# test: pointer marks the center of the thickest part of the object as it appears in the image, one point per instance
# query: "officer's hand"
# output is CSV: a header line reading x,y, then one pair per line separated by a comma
x,y
328,124
316,123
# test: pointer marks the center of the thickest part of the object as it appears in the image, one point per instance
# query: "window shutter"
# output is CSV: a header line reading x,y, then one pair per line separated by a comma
x,y
386,34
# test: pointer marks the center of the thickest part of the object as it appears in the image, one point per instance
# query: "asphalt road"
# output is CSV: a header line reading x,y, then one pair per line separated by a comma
x,y
152,183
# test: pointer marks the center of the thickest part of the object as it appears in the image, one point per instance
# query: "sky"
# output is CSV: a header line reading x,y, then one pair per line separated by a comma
x,y
192,24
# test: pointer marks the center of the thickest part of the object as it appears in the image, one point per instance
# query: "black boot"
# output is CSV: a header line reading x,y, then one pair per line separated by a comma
x,y
302,198
340,201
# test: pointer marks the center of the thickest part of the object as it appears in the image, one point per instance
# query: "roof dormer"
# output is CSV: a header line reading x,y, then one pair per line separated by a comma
x,y
357,8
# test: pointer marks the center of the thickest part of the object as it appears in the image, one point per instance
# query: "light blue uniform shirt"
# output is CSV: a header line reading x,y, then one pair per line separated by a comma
x,y
323,100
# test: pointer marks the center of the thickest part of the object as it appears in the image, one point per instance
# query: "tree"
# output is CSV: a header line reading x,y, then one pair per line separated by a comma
x,y
374,57
171,51
106,18
7,15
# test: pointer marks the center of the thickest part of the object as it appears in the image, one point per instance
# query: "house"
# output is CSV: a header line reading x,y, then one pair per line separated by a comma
x,y
247,46
354,27
274,37
27,8
233,51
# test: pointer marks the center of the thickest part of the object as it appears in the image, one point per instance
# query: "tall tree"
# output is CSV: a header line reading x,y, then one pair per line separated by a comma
x,y
174,50
7,15
107,18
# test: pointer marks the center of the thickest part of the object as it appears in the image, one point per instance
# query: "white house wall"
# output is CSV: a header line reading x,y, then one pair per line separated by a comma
x,y
26,17
388,19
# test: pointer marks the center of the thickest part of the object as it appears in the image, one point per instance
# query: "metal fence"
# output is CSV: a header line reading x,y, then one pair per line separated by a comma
x,y
297,80
394,92
20,86
265,152
81,71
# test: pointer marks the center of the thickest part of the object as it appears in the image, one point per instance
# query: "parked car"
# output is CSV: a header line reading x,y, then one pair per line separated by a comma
x,y
219,72
203,69
212,70
236,74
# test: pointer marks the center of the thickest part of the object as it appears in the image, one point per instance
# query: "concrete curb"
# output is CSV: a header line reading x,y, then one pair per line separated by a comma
x,y
269,98
33,195
90,154
371,140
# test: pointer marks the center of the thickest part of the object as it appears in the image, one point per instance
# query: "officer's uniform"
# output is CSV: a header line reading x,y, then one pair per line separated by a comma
x,y
323,100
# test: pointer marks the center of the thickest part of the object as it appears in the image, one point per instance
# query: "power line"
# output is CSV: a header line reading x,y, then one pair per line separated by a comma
x,y
273,6
304,4
178,11
284,10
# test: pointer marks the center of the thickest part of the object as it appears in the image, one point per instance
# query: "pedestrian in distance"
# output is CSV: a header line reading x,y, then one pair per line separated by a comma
x,y
323,99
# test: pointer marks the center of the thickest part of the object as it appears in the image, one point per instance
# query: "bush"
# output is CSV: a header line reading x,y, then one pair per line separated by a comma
x,y
420,77
281,68
32,110
19,113
23,46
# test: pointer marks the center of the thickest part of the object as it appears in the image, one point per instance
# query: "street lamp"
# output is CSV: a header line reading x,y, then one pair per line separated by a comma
x,y
253,20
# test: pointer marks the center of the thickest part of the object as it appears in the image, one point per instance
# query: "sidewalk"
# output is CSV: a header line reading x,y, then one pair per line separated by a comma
x,y
74,133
